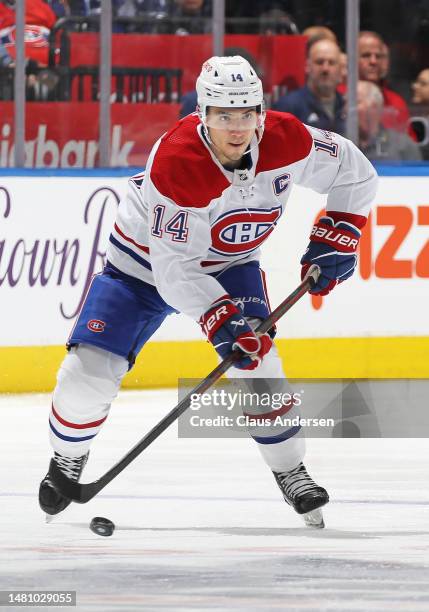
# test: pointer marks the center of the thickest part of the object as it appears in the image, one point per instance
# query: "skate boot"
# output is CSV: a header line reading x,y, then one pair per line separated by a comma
x,y
303,494
50,500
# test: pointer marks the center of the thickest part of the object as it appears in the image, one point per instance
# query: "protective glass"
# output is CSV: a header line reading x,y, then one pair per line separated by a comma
x,y
233,121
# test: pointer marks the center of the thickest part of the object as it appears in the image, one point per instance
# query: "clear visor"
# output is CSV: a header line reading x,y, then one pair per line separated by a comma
x,y
233,121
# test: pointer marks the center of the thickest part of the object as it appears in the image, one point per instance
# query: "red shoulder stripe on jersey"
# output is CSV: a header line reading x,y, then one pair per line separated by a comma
x,y
143,248
183,169
285,141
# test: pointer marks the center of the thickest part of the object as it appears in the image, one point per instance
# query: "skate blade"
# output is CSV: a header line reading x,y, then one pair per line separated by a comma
x,y
314,519
49,518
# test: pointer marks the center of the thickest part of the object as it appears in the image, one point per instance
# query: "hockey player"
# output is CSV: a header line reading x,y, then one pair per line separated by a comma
x,y
187,238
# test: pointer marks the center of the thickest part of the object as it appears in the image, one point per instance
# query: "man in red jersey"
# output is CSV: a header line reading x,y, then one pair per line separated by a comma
x,y
39,19
187,238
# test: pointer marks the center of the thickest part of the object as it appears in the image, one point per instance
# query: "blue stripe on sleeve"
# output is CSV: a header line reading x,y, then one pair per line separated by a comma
x,y
129,252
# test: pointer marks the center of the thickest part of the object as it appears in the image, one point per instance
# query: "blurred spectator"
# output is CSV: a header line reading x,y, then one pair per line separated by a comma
x,y
6,76
420,111
125,8
421,88
318,103
189,100
86,7
61,8
318,32
256,17
376,141
39,19
191,17
132,8
384,62
276,21
373,67
5,58
188,104
155,13
343,68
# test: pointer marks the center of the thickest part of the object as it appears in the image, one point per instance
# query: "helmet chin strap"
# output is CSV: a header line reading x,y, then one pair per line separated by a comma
x,y
259,133
206,130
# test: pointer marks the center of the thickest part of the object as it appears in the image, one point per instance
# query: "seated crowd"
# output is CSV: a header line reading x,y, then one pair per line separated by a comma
x,y
385,129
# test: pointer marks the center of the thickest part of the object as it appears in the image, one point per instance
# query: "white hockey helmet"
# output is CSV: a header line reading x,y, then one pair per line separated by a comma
x,y
230,82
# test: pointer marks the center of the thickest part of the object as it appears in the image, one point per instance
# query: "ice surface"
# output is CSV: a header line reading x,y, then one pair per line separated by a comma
x,y
201,525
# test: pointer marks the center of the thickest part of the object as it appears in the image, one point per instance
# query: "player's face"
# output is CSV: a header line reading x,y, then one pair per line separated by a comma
x,y
231,131
372,59
323,67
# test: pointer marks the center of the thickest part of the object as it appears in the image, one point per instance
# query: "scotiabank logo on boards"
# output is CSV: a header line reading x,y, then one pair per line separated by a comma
x,y
44,152
403,251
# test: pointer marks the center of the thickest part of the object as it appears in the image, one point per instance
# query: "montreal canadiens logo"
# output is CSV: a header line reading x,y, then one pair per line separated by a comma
x,y
95,325
243,231
36,35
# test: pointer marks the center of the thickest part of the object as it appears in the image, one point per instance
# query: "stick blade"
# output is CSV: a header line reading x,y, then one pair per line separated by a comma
x,y
71,489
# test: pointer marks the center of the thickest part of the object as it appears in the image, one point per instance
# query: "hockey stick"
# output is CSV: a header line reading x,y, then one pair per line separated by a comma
x,y
82,493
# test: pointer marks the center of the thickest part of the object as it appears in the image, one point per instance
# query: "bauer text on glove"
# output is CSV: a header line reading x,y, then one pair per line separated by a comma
x,y
333,248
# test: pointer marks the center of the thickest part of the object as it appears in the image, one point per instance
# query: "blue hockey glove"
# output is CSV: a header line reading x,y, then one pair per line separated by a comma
x,y
228,330
333,248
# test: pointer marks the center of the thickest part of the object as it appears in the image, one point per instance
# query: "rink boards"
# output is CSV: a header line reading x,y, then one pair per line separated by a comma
x,y
54,232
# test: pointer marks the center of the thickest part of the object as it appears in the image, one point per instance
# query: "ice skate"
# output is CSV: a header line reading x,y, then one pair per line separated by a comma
x,y
303,494
50,500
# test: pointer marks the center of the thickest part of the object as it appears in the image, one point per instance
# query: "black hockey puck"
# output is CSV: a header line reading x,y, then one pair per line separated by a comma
x,y
102,526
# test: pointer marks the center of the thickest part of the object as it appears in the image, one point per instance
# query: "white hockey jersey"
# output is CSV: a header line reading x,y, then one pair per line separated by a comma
x,y
188,217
